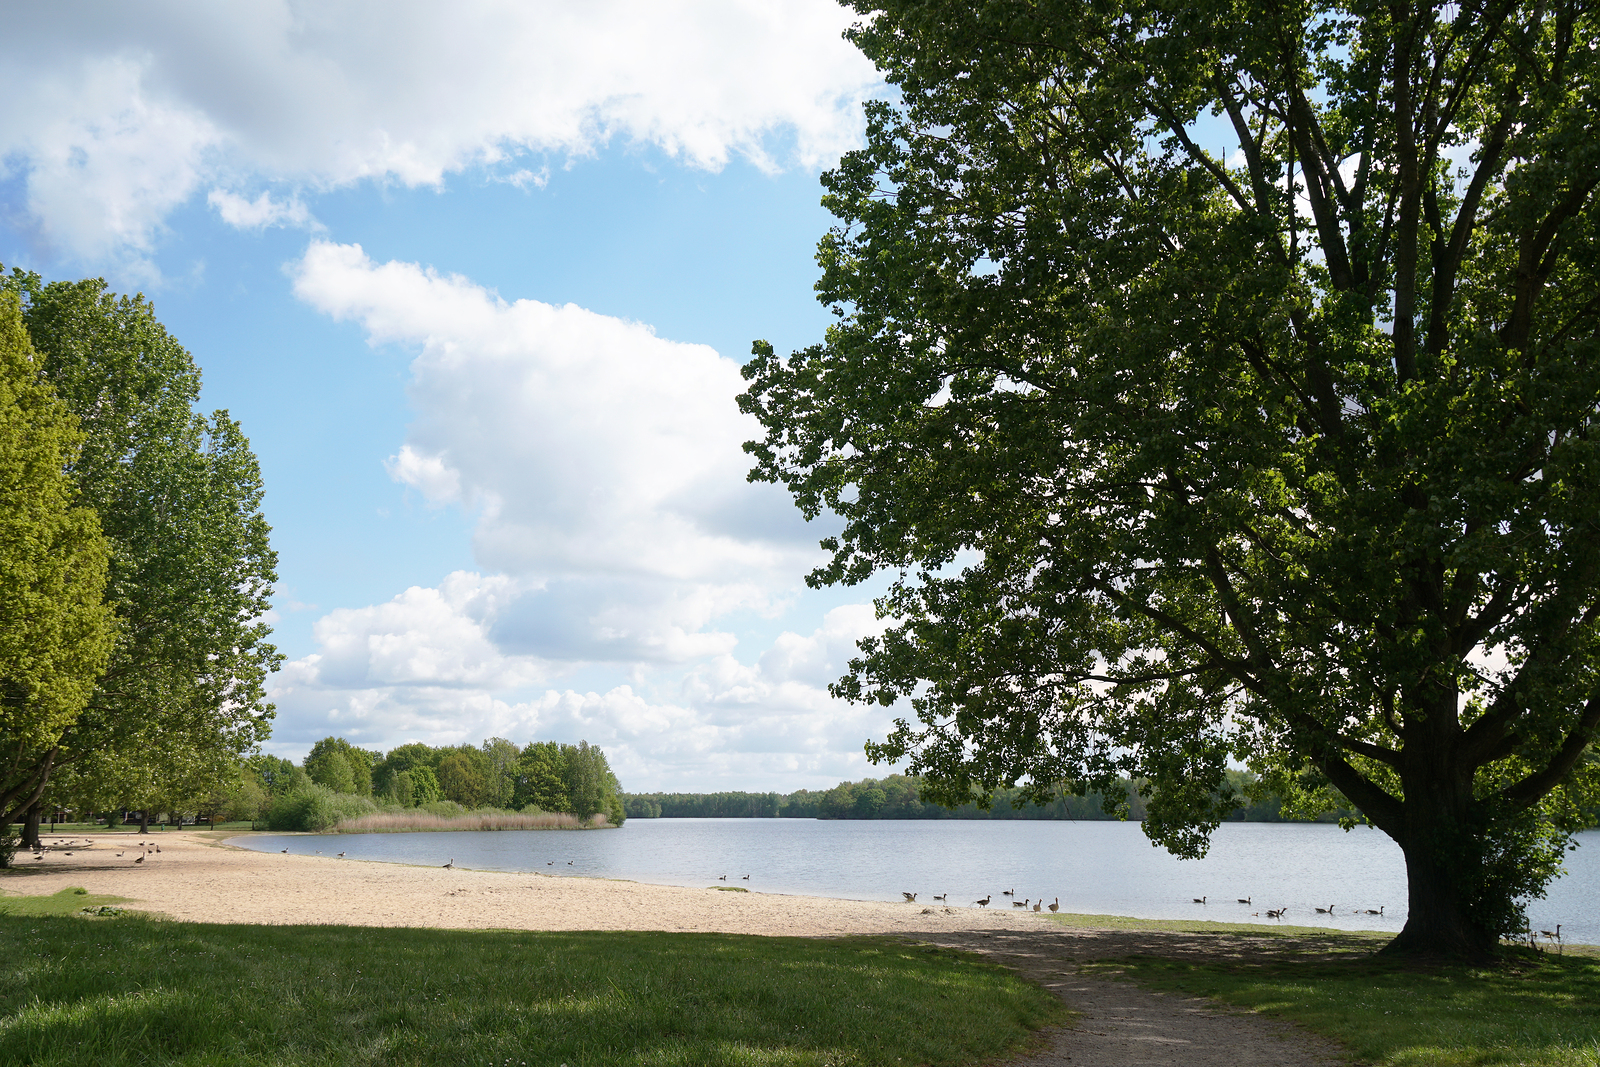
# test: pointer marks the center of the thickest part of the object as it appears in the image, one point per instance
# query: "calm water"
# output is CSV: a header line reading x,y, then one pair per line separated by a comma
x,y
1106,868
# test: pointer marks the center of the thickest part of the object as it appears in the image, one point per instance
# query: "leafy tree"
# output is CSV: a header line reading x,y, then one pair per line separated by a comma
x,y
55,631
502,757
1284,456
424,786
542,778
357,762
400,760
178,497
463,779
330,768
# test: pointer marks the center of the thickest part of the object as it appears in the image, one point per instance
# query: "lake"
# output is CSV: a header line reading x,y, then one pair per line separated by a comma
x,y
1106,868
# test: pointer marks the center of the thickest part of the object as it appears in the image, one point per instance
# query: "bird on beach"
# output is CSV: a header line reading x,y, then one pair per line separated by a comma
x,y
284,851
984,903
1057,905
119,855
341,855
1037,904
450,864
140,859
911,898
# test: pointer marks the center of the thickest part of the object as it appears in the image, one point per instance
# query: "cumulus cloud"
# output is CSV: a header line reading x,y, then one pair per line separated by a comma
x,y
113,121
421,668
589,447
261,212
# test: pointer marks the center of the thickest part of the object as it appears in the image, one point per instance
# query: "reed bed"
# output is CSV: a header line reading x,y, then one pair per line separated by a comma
x,y
385,822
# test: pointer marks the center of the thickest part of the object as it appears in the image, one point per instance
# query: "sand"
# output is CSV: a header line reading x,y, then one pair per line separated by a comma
x,y
198,878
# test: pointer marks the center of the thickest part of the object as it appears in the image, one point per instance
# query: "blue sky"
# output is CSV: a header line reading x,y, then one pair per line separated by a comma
x,y
477,283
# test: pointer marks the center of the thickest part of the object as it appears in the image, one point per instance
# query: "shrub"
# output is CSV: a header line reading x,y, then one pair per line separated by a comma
x,y
316,808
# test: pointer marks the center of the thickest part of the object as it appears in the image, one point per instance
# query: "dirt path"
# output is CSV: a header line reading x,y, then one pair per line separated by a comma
x,y
1121,1025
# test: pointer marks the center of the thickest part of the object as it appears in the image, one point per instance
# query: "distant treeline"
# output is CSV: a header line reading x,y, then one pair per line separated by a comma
x,y
899,797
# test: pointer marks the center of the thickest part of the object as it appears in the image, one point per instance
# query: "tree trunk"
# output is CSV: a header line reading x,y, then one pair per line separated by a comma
x,y
1439,923
1443,862
30,827
144,821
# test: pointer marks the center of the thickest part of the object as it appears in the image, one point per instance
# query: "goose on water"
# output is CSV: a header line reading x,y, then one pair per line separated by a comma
x,y
911,898
984,903
1243,900
942,896
1379,910
1199,900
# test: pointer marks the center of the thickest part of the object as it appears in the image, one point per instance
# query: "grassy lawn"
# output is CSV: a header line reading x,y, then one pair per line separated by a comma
x,y
1535,1010
131,990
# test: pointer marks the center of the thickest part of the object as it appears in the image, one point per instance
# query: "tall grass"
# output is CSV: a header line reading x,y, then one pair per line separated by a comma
x,y
384,822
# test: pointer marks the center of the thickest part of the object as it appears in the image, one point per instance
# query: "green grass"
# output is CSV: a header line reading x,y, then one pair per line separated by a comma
x,y
70,901
133,990
1535,1010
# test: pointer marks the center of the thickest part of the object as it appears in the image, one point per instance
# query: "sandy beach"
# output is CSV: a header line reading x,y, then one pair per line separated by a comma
x,y
198,878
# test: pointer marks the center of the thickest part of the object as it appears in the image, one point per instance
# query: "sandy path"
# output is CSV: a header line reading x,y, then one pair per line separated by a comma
x,y
197,878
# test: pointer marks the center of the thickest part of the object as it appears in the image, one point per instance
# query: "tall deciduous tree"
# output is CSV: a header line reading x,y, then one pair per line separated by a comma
x,y
179,498
1276,444
56,632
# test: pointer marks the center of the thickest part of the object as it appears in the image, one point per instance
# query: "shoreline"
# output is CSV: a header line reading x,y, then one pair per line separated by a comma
x,y
199,877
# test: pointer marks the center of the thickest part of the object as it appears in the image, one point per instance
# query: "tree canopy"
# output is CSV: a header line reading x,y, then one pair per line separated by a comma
x,y
55,629
178,496
1218,381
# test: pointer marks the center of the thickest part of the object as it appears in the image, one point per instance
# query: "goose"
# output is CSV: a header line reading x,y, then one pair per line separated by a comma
x,y
984,903
140,859
942,896
284,851
1276,914
1553,935
1379,910
746,878
1037,904
158,848
569,863
724,878
340,856
911,898
1008,892
1056,906
1199,900
1325,911
1019,903
119,855
450,864
1243,900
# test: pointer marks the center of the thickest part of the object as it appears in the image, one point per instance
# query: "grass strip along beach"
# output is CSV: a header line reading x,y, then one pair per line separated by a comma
x,y
143,991
1539,1009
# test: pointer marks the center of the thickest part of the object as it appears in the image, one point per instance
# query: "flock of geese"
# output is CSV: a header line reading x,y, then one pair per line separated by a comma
x,y
1278,913
1036,905
68,848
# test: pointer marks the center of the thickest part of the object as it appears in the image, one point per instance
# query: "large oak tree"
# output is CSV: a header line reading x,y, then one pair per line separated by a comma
x,y
1220,379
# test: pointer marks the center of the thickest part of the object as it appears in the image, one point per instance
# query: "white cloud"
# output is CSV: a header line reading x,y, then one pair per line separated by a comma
x,y
422,668
261,212
117,119
590,447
